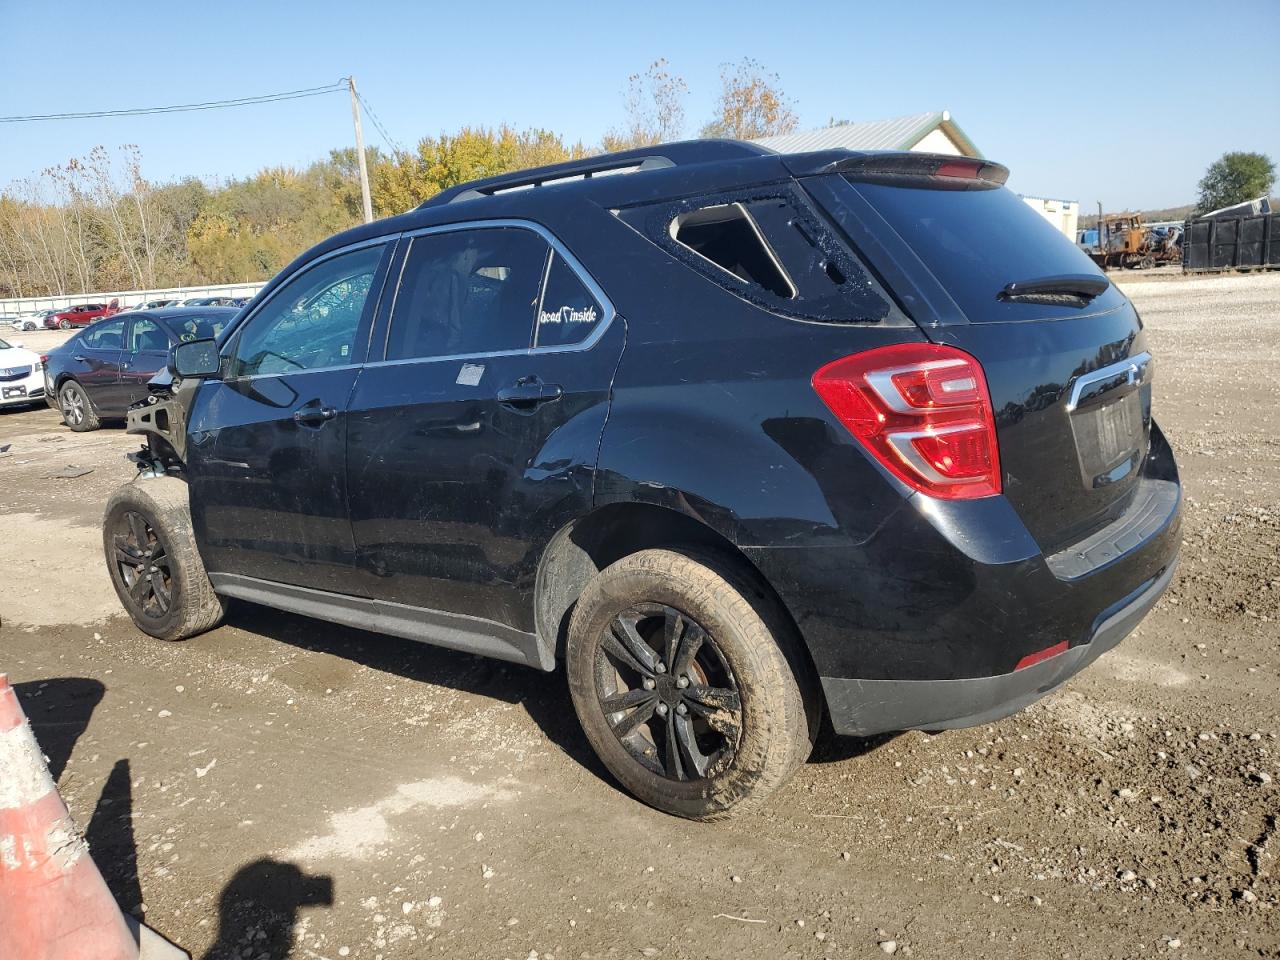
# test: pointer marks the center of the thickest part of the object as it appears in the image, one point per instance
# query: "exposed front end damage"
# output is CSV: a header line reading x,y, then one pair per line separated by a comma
x,y
162,419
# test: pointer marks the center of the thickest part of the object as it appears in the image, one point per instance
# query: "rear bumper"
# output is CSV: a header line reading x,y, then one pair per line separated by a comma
x,y
865,707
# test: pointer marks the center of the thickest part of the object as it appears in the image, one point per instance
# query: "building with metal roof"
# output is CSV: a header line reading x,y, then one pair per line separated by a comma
x,y
934,132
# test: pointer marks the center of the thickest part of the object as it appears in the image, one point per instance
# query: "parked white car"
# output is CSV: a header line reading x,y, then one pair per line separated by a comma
x,y
28,321
21,376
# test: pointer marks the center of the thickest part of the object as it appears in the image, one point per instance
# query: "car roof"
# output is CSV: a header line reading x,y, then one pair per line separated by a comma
x,y
182,313
175,314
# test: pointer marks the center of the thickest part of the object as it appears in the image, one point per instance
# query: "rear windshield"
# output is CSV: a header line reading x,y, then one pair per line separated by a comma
x,y
977,241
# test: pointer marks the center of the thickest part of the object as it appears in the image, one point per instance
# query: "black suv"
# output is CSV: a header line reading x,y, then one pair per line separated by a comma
x,y
741,438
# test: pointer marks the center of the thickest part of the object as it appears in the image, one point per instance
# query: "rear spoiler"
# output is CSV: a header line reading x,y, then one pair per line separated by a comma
x,y
922,170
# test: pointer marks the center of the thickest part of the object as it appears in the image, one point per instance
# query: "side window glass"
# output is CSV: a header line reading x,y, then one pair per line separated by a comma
x,y
105,336
311,321
200,328
466,292
569,313
147,335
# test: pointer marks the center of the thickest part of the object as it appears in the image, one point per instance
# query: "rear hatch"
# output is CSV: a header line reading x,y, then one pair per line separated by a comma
x,y
1063,349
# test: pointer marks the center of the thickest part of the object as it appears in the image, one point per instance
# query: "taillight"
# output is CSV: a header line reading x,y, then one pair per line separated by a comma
x,y
923,411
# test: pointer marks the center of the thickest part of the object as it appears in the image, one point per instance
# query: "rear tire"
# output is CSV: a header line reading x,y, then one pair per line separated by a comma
x,y
153,561
77,409
707,734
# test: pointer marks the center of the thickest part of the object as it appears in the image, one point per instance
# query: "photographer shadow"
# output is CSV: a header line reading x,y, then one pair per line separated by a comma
x,y
258,909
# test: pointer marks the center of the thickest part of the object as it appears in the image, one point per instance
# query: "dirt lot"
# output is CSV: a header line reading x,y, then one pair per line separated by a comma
x,y
280,787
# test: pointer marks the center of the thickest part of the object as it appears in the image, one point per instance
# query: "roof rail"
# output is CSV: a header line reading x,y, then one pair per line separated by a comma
x,y
627,161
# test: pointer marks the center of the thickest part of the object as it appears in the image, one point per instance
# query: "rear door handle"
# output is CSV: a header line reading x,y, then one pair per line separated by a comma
x,y
314,414
529,392
79,359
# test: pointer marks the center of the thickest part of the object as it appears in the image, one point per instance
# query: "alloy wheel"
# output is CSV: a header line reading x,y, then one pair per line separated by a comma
x,y
668,693
73,406
143,564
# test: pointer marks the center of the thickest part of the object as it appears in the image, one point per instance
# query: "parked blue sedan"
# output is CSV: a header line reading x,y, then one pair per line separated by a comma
x,y
100,371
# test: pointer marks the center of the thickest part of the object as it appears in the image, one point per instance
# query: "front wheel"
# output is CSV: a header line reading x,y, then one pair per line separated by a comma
x,y
64,325
689,684
153,561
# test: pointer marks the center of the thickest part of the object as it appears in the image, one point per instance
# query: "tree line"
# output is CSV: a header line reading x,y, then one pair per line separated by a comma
x,y
96,223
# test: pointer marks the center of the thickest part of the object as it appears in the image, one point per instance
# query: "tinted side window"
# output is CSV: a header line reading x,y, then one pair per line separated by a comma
x,y
146,335
200,328
467,291
311,321
569,312
104,336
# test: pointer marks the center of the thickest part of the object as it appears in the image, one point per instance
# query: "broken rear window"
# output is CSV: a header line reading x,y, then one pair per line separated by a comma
x,y
770,248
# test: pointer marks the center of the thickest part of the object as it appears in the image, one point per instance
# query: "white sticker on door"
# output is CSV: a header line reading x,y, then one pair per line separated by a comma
x,y
470,374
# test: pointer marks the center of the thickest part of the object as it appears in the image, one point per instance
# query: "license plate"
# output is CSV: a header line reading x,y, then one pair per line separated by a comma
x,y
14,392
1109,439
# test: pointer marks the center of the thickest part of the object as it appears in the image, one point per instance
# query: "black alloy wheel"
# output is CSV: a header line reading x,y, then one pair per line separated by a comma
x,y
144,566
668,693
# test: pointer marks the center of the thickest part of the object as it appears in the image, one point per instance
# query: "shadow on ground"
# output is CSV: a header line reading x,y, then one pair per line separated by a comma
x,y
257,909
259,906
59,711
544,696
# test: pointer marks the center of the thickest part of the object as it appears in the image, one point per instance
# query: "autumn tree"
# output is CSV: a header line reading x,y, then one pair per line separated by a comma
x,y
403,181
750,104
654,105
1235,178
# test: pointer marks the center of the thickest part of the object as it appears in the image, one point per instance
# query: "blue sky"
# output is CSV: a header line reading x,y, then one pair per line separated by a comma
x,y
1119,102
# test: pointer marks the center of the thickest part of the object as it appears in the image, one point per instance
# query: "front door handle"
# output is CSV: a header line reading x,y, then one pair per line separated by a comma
x,y
314,414
529,392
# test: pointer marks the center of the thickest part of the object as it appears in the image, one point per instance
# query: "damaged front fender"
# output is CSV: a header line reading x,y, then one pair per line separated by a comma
x,y
161,417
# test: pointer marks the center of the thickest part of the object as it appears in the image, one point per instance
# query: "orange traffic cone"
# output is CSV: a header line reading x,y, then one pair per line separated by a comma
x,y
54,904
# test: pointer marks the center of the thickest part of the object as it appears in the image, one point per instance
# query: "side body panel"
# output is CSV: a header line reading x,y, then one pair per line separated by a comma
x,y
455,491
269,494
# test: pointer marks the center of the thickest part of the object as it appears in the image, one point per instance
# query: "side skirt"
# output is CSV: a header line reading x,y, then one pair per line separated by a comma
x,y
455,631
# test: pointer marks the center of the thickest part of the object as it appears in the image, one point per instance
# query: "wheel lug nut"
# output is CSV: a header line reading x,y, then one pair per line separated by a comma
x,y
662,709
682,682
649,683
681,709
662,668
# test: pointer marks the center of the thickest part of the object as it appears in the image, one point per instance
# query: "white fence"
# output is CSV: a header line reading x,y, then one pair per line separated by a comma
x,y
20,305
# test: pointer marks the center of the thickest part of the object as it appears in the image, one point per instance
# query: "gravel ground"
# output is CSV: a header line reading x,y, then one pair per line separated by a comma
x,y
283,788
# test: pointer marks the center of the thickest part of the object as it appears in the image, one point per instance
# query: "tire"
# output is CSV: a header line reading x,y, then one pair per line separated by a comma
x,y
64,325
77,409
738,720
163,585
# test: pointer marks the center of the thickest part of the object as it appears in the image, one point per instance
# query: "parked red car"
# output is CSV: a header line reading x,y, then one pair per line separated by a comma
x,y
80,316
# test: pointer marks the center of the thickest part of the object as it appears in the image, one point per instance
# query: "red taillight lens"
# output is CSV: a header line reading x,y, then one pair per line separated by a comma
x,y
923,411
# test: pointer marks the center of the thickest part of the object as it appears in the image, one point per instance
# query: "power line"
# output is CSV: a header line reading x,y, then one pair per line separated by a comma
x,y
390,140
184,107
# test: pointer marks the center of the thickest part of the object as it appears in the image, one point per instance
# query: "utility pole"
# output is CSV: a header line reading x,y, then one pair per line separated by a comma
x,y
364,168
